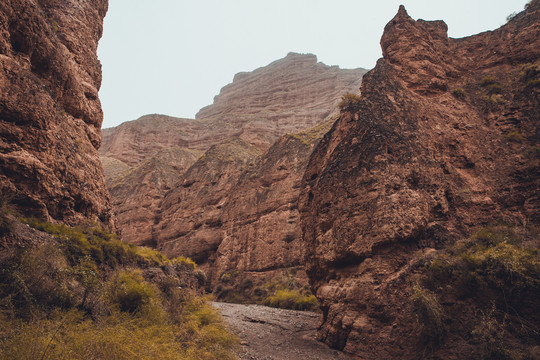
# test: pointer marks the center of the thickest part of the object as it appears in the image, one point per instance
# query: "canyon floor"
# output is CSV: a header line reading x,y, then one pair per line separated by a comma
x,y
276,334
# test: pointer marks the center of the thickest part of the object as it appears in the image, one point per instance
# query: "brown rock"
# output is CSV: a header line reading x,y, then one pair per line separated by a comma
x,y
289,95
190,221
50,114
138,193
261,231
134,142
255,110
417,166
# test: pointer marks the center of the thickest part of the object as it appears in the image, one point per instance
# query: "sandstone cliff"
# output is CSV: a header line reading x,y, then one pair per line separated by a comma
x,y
247,116
289,95
444,140
50,114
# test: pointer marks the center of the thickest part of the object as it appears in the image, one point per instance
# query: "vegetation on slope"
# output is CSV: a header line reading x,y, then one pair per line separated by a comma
x,y
311,135
284,291
490,284
84,294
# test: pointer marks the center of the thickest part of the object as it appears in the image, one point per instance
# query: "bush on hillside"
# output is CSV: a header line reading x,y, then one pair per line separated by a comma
x,y
84,296
350,103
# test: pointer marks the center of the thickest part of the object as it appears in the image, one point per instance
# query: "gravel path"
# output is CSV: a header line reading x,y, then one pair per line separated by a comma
x,y
276,334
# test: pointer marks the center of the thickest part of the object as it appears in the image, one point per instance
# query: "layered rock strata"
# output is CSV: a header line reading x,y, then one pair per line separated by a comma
x,y
50,113
443,141
247,116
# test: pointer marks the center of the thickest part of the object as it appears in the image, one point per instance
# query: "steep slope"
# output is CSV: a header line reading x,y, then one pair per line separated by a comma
x,y
137,195
444,140
136,141
260,220
236,214
258,108
190,219
50,114
286,96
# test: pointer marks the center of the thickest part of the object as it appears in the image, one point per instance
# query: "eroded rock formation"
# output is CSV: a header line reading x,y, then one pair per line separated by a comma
x,y
444,140
161,204
50,114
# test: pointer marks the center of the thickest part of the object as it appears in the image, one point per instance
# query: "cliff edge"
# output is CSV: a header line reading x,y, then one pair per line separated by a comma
x,y
443,142
50,113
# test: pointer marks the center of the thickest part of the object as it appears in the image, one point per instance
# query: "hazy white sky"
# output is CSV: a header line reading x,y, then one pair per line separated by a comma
x,y
173,56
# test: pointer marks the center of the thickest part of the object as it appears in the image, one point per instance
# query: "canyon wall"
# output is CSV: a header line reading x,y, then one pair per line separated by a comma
x,y
50,113
444,140
174,181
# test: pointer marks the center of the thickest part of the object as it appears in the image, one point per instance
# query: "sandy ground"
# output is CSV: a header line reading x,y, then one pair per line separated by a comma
x,y
276,334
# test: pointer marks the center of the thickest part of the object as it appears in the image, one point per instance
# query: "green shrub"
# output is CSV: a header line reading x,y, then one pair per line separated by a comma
x,y
291,299
71,299
309,136
184,262
459,93
70,335
430,314
494,89
151,257
488,81
35,279
101,246
490,334
511,16
494,99
530,72
492,259
350,103
130,292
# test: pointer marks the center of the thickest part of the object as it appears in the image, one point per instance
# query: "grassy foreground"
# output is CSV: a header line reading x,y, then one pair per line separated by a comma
x,y
84,294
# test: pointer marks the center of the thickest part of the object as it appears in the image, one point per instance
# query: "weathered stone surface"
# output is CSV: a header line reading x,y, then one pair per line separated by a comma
x,y
50,114
261,232
288,95
190,219
134,142
137,195
417,166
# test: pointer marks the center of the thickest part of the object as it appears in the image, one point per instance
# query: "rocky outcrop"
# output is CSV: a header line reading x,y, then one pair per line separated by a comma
x,y
143,160
289,95
261,232
254,111
137,195
134,142
236,212
50,114
444,140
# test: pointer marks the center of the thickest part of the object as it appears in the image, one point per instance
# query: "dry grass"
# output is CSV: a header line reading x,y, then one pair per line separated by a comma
x,y
84,297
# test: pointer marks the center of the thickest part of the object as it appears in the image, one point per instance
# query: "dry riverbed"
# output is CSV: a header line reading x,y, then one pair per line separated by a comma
x,y
276,334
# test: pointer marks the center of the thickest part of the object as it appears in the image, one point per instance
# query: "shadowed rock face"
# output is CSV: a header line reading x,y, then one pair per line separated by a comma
x,y
160,203
416,167
50,114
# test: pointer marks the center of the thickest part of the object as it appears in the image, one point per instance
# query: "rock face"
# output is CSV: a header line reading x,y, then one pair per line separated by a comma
x,y
50,114
444,140
261,238
287,96
236,212
143,160
184,213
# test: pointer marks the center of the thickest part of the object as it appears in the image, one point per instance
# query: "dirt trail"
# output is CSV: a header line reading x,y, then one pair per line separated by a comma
x,y
276,334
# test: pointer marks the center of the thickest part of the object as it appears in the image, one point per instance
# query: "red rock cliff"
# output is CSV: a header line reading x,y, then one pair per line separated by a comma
x,y
50,113
444,140
258,107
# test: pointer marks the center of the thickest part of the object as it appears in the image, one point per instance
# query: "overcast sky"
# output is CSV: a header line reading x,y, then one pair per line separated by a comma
x,y
173,56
